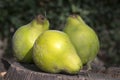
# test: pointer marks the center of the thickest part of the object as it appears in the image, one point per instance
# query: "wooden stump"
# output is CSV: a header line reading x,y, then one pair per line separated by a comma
x,y
20,71
113,72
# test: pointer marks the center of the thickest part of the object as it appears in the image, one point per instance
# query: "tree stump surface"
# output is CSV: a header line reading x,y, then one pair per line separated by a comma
x,y
22,71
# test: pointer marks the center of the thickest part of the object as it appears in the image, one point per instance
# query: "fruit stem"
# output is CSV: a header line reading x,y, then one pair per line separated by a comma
x,y
40,19
77,17
73,15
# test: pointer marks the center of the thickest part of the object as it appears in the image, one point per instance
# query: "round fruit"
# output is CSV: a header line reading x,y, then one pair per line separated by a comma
x,y
53,52
25,36
84,38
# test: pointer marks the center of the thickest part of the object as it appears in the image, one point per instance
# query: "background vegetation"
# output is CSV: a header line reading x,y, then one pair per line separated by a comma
x,y
102,15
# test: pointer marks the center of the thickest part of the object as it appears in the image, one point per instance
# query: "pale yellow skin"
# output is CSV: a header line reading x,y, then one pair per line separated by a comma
x,y
24,38
83,38
53,52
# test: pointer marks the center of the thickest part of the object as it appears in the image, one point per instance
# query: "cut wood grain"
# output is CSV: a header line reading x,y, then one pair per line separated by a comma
x,y
20,71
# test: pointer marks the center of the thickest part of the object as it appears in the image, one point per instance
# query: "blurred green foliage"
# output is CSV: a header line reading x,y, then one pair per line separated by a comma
x,y
102,15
